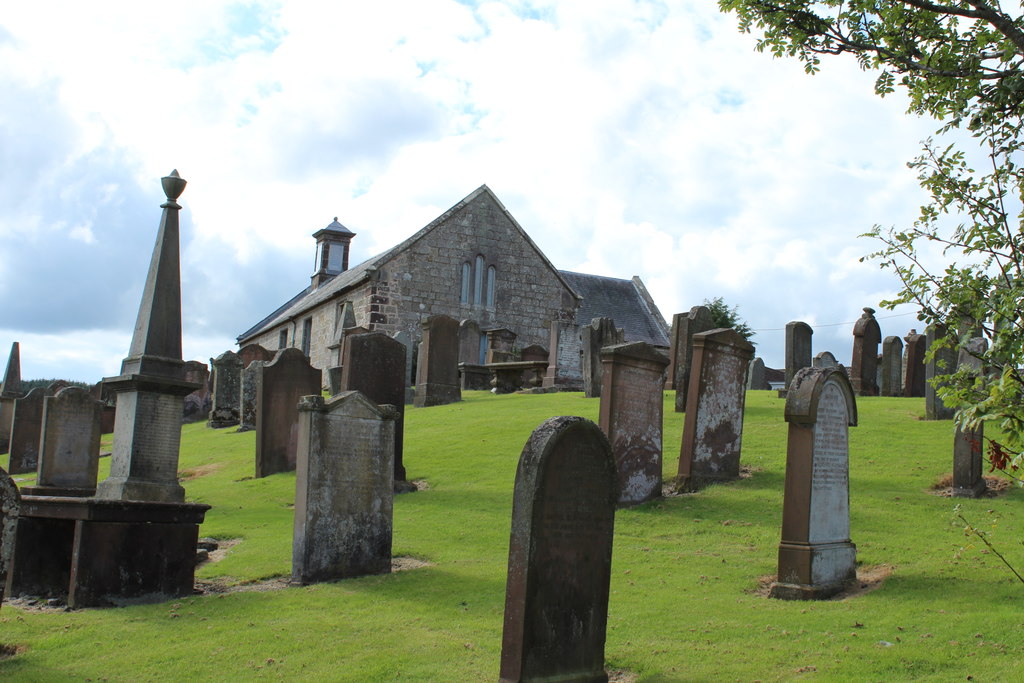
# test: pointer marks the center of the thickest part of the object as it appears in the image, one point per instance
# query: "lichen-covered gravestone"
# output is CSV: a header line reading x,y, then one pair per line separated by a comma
x,y
631,416
684,326
26,427
343,494
816,557
437,370
279,386
69,448
798,350
601,332
713,429
560,555
247,395
10,502
227,390
864,365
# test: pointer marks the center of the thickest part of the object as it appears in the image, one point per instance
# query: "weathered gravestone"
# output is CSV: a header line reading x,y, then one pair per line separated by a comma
x,y
825,359
798,350
250,352
247,400
437,371
69,447
913,364
334,373
756,376
684,326
472,351
943,362
864,366
816,557
374,365
968,445
601,332
227,390
713,428
9,390
10,503
102,393
26,427
343,494
892,366
197,404
560,555
279,386
501,346
631,414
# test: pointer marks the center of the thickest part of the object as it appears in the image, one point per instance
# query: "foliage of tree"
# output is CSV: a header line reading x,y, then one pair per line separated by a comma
x,y
723,316
962,63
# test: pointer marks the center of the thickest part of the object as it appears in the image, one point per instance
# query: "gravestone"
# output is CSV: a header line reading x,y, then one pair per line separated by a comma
x,y
798,350
227,390
473,375
864,366
713,428
825,359
551,376
816,557
374,365
69,448
334,373
247,398
943,362
279,386
631,415
250,352
601,332
913,364
501,345
534,353
560,555
437,372
343,494
10,504
9,390
756,376
410,364
197,404
26,428
684,326
102,393
892,366
968,444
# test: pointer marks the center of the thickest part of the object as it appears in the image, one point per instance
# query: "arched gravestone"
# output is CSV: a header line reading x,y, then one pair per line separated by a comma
x,y
816,557
824,359
10,503
250,352
684,326
756,376
437,372
892,366
632,405
798,350
560,555
279,386
69,447
227,390
913,364
864,365
343,489
26,428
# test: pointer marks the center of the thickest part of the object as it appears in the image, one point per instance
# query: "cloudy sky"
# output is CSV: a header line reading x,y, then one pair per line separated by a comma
x,y
627,137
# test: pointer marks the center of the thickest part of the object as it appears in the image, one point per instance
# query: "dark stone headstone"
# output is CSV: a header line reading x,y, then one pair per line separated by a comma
x,y
69,447
943,362
684,326
560,555
470,346
798,350
437,372
816,557
9,390
247,401
913,364
280,385
968,444
892,366
632,408
756,379
374,365
713,428
825,359
501,346
250,352
26,428
10,503
343,488
864,366
601,332
227,390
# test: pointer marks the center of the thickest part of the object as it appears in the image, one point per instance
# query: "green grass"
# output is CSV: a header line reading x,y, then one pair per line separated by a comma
x,y
683,603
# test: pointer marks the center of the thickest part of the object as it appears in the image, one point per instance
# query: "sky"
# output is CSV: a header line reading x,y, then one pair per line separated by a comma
x,y
627,137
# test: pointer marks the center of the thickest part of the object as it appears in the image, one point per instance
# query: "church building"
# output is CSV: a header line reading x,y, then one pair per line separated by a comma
x,y
475,263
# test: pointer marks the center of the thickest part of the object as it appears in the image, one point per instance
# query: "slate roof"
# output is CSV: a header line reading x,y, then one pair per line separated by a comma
x,y
621,301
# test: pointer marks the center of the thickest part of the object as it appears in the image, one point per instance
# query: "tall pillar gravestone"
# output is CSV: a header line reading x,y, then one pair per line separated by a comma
x,y
9,390
551,377
913,364
601,332
10,504
227,390
343,489
560,555
798,350
713,428
26,427
816,557
684,327
69,447
279,386
943,362
968,444
632,406
437,372
864,365
374,365
892,366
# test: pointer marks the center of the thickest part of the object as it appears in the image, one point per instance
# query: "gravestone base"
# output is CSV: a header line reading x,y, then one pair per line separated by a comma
x,y
695,482
433,394
814,572
220,419
977,491
334,385
63,491
474,377
100,553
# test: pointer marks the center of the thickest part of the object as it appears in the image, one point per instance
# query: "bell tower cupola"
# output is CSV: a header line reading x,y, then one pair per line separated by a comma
x,y
332,244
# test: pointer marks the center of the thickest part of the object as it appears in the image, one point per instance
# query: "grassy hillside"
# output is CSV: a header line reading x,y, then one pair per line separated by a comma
x,y
684,604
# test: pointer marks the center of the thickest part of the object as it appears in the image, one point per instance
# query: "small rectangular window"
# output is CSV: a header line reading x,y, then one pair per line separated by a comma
x,y
307,333
282,339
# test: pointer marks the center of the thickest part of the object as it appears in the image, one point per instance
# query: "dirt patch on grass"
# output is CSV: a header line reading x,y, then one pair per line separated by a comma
x,y
223,546
420,484
668,488
201,471
8,650
622,676
994,486
868,579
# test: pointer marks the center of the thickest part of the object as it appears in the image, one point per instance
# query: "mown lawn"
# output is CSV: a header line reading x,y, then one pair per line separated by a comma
x,y
684,604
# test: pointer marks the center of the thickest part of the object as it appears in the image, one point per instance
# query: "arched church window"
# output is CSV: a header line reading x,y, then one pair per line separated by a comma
x,y
491,274
478,281
466,277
